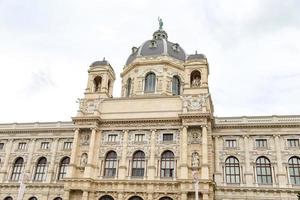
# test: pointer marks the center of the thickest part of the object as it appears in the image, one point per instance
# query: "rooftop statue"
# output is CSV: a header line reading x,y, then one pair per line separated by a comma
x,y
160,22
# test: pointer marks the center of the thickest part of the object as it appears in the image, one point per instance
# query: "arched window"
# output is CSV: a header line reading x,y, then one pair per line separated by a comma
x,y
63,167
167,164
150,81
165,198
294,169
128,90
8,198
17,169
135,198
263,171
106,197
110,164
232,169
40,171
138,164
97,83
176,85
57,198
32,198
195,78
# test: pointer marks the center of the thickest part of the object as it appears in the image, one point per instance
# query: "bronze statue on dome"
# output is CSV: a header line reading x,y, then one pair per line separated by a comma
x,y
160,23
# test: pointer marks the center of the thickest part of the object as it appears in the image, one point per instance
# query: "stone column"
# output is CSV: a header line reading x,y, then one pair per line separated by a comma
x,y
88,171
4,169
218,170
248,169
72,166
281,176
30,154
204,167
184,154
85,195
122,166
50,172
151,165
183,196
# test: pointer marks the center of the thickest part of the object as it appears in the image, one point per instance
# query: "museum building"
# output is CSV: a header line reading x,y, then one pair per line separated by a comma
x,y
159,141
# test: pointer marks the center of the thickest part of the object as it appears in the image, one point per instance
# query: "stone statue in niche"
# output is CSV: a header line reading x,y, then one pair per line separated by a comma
x,y
195,159
196,82
85,139
83,160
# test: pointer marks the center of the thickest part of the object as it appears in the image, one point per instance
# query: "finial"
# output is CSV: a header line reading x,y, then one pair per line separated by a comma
x,y
103,58
160,23
196,52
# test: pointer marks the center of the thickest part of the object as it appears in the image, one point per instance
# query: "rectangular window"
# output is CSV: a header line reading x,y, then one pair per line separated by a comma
x,y
112,138
230,143
293,142
22,145
67,145
1,146
168,137
261,143
45,145
139,137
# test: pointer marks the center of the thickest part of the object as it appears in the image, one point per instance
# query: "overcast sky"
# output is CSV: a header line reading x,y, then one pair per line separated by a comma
x,y
46,47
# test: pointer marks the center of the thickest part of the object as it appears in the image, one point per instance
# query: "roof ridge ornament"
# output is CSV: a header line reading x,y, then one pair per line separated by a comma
x,y
160,23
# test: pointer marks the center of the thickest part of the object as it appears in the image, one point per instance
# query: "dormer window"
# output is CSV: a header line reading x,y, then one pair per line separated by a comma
x,y
153,44
176,47
134,49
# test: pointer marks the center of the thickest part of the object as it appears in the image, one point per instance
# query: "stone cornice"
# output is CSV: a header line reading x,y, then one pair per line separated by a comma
x,y
258,121
36,127
195,114
271,189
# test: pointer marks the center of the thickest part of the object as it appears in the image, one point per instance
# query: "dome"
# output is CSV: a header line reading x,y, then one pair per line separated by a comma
x,y
159,45
99,63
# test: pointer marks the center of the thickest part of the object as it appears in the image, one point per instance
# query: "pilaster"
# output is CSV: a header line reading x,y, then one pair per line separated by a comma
x,y
30,154
204,167
4,168
183,160
72,166
50,173
151,166
123,167
90,164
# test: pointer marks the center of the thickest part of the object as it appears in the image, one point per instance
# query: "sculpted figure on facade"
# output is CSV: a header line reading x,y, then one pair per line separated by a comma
x,y
83,160
195,160
193,103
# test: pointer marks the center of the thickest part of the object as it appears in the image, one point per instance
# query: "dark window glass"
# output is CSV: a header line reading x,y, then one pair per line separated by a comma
x,y
97,84
230,143
263,171
128,87
22,145
45,145
32,198
232,170
40,171
294,169
293,142
167,164
110,164
135,198
63,168
57,198
67,145
150,81
106,197
176,85
168,137
1,146
8,198
17,169
138,163
261,143
139,137
112,137
165,198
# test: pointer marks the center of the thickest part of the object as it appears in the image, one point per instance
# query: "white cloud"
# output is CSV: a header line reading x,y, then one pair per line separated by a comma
x,y
46,47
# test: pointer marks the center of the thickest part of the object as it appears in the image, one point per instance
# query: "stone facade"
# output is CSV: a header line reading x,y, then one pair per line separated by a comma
x,y
157,141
